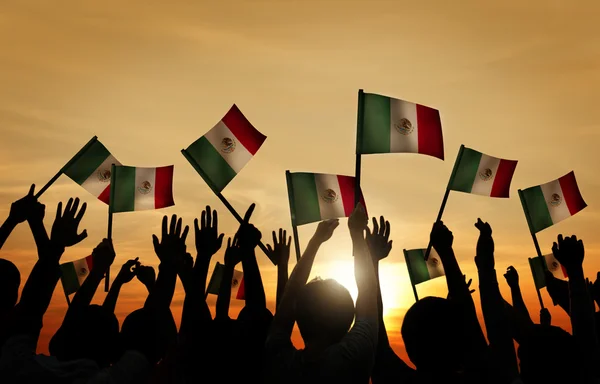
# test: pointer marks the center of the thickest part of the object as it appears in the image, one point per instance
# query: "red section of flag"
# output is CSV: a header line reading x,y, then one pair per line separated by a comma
x,y
571,193
347,186
504,175
245,132
105,195
241,293
431,141
90,262
163,193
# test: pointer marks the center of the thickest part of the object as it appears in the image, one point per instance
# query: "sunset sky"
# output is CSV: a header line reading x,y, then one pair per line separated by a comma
x,y
517,80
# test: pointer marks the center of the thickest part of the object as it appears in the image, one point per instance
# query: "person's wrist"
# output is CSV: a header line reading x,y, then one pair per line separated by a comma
x,y
11,221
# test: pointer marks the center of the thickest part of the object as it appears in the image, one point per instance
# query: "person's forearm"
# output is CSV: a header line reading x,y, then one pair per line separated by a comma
x,y
40,236
224,297
110,302
282,279
163,291
582,315
253,285
6,229
366,279
519,303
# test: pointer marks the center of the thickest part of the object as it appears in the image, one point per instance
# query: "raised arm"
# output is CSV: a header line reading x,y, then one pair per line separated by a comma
x,y
249,237
20,211
126,274
512,279
280,251
233,256
146,275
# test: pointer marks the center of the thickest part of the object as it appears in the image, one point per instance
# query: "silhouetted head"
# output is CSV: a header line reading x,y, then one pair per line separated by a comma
x,y
324,311
150,332
10,280
93,334
434,336
548,355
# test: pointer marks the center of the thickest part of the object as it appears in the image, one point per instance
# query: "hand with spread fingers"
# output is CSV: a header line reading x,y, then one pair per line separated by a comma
x,y
233,254
23,208
280,251
569,252
66,225
208,238
172,242
248,235
378,240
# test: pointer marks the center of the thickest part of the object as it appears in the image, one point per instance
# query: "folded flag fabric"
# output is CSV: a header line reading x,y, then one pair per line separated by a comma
x,y
237,282
222,152
481,174
74,273
547,204
546,263
318,196
421,270
393,125
90,168
137,189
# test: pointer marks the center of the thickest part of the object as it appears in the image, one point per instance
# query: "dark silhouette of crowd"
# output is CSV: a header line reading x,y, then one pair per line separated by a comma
x,y
345,341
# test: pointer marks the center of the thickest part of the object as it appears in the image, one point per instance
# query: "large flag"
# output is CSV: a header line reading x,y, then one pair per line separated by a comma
x,y
74,273
541,264
91,169
223,151
137,189
318,196
481,174
547,204
421,270
237,282
392,125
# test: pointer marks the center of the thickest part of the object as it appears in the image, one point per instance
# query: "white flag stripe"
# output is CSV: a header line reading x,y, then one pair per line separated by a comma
x,y
434,265
144,199
236,282
238,157
94,184
334,208
399,142
554,266
81,270
559,210
481,186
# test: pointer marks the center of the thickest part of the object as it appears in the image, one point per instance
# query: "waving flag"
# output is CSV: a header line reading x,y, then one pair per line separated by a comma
x,y
74,273
137,189
237,282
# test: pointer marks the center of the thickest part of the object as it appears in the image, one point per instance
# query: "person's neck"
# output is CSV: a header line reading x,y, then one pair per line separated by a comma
x,y
315,347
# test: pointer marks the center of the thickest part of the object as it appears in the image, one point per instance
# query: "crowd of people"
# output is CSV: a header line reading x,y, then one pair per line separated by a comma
x,y
345,341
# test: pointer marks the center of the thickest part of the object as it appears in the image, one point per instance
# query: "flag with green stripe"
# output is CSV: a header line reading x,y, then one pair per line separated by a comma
x,y
547,204
137,189
421,270
480,174
317,196
237,282
74,273
222,152
90,168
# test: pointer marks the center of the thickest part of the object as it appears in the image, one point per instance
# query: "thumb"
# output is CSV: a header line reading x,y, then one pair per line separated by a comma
x,y
155,242
81,236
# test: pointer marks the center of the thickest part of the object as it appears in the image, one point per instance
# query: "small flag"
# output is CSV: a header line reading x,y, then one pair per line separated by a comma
x,y
392,126
547,262
481,174
549,203
91,170
421,270
74,273
137,189
237,282
319,196
224,150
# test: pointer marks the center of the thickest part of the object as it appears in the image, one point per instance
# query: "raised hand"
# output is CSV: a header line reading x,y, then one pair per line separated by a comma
x,y
441,237
127,272
146,275
512,277
469,284
184,263
358,220
378,240
485,246
325,230
233,254
545,317
248,235
208,239
66,224
103,256
280,252
172,241
21,209
569,251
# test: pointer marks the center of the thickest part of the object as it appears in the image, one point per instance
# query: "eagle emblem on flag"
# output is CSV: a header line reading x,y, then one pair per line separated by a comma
x,y
83,271
404,126
329,196
227,145
234,282
555,200
145,188
486,174
103,175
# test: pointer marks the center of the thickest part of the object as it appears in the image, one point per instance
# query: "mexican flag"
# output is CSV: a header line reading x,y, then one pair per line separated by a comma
x,y
547,262
237,282
90,168
137,189
420,270
480,174
392,126
547,204
317,196
222,152
74,273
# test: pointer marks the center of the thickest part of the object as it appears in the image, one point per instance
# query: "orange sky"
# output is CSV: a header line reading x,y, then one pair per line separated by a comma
x,y
513,79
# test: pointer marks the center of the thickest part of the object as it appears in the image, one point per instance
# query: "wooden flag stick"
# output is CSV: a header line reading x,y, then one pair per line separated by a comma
x,y
110,219
359,129
533,236
222,198
535,280
410,275
288,179
67,296
69,163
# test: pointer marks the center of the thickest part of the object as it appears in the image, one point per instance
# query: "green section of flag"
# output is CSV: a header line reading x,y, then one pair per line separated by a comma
x,y
215,281
69,278
123,194
417,266
538,270
87,163
306,199
466,171
211,163
376,124
537,209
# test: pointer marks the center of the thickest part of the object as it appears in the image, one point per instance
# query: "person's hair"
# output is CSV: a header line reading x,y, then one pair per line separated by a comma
x,y
10,280
547,355
324,311
92,334
150,332
434,336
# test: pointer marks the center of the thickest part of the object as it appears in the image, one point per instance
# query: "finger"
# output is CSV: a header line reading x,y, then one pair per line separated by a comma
x,y
203,220
74,207
229,243
290,242
560,239
164,226
282,240
81,236
470,281
208,217
554,248
269,248
249,213
280,235
59,210
220,240
381,225
68,206
274,238
375,226
215,219
386,233
368,230
81,212
196,225
178,227
31,190
185,233
235,240
155,242
173,224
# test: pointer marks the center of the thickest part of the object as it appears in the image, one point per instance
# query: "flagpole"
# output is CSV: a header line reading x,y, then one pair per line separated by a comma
x,y
533,236
539,295
288,180
410,275
446,194
222,198
110,218
69,163
359,129
67,296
